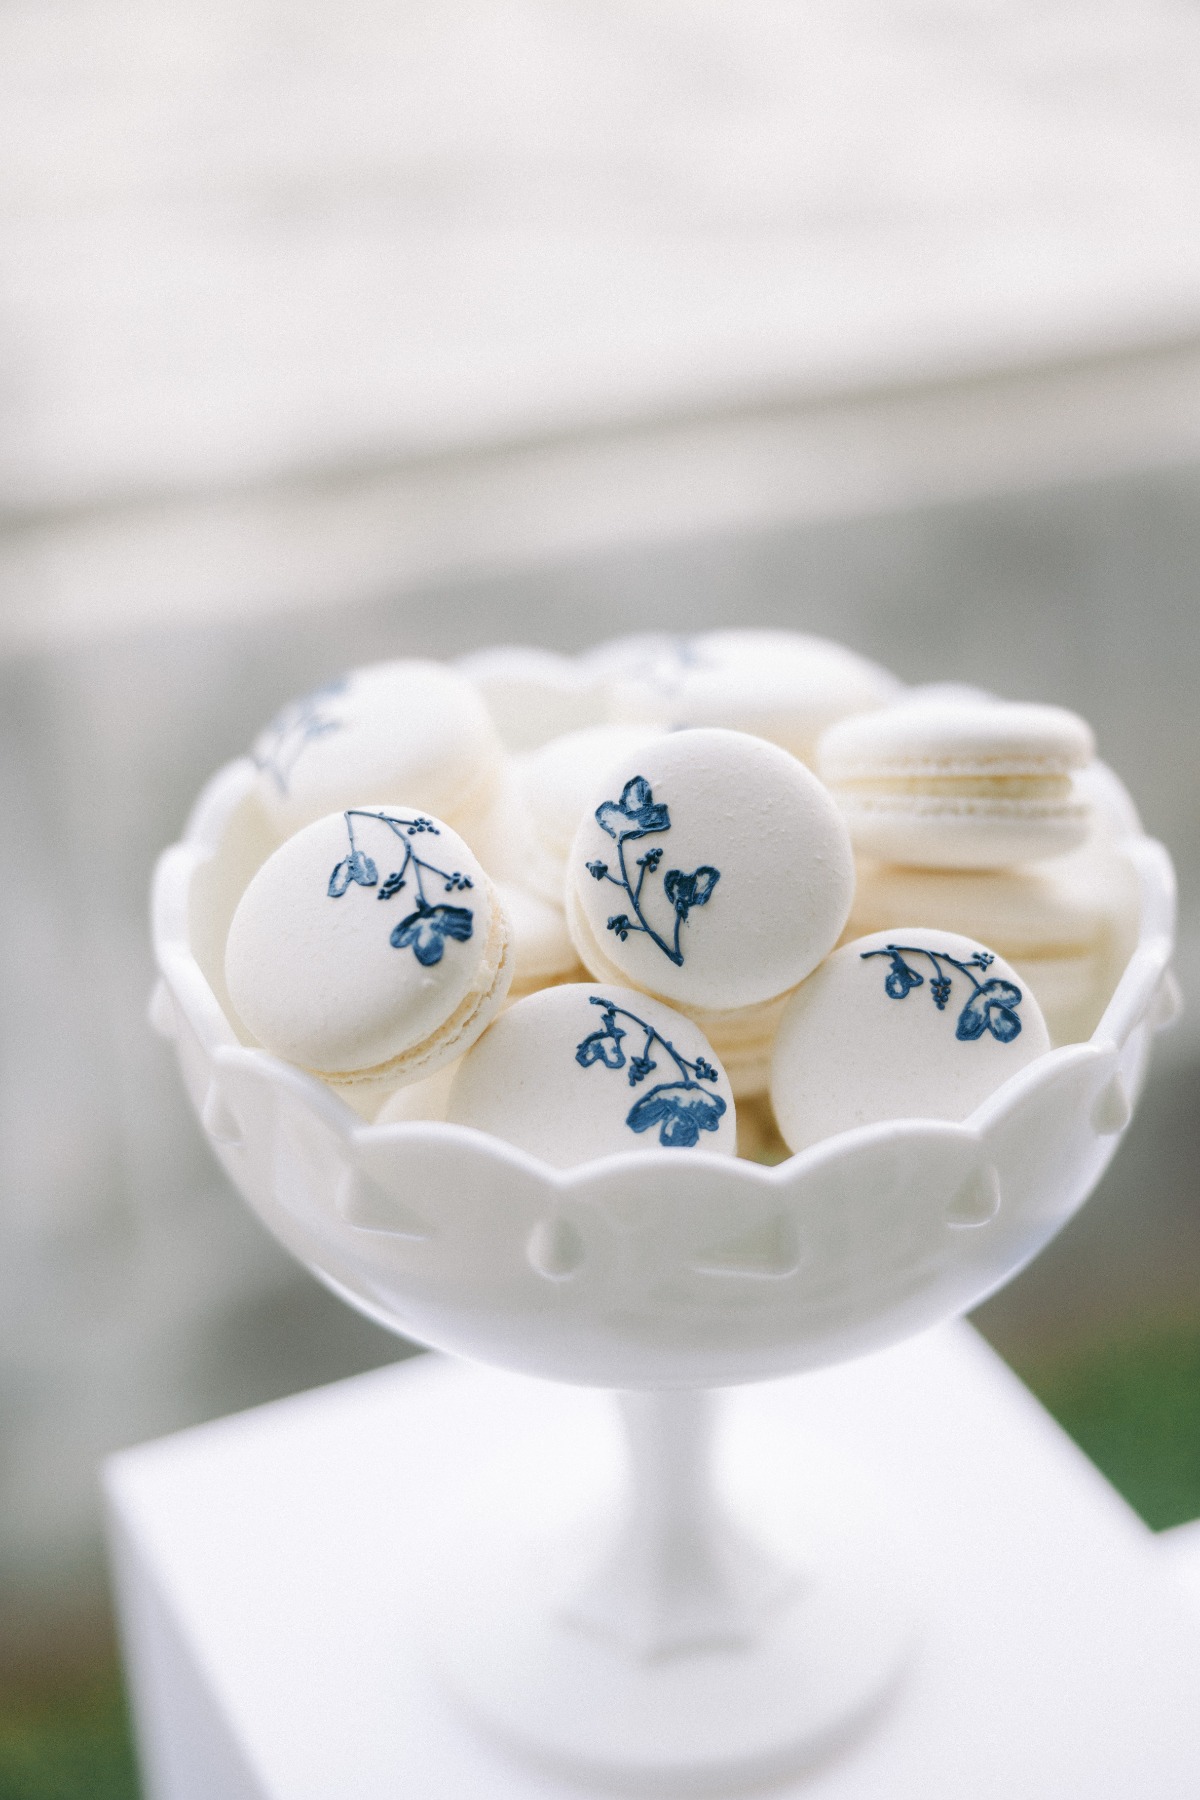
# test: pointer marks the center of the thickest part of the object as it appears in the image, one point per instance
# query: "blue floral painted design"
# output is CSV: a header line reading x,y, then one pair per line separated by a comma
x,y
680,1109
991,1005
294,728
426,928
637,815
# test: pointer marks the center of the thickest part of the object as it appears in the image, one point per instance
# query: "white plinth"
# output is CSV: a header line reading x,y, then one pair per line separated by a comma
x,y
269,1568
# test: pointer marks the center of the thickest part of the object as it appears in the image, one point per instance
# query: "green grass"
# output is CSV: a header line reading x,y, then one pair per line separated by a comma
x,y
1134,1407
71,1745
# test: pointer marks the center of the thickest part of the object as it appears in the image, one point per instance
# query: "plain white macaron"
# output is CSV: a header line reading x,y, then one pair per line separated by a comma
x,y
412,728
955,784
712,869
542,951
370,948
906,1024
779,685
582,1071
534,695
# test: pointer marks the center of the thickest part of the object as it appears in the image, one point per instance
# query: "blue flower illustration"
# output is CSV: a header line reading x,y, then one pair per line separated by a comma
x,y
991,1009
682,1109
602,1046
355,867
991,1005
901,978
425,931
681,1116
293,729
636,815
686,891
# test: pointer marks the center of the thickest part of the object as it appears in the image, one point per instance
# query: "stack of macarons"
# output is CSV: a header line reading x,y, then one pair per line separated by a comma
x,y
741,889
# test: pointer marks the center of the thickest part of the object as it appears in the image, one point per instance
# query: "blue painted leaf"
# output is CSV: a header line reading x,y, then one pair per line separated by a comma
x,y
686,891
603,1046
636,814
362,869
340,880
425,931
991,1009
901,978
680,1113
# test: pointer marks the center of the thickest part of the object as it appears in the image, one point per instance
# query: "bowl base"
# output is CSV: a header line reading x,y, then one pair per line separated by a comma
x,y
829,1651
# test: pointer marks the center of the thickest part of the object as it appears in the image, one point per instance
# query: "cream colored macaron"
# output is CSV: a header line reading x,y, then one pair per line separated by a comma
x,y
583,1071
534,695
779,685
370,949
712,869
910,1024
951,784
542,951
413,728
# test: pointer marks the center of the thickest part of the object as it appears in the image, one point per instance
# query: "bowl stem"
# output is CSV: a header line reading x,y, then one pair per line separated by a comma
x,y
680,1573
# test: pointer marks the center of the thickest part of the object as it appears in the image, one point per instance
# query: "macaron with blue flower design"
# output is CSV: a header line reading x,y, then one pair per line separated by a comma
x,y
408,727
905,1024
370,949
587,1070
709,868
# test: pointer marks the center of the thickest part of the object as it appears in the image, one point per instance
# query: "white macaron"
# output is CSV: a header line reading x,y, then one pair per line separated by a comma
x,y
583,1071
534,695
412,728
954,784
370,948
910,1024
711,869
542,950
778,685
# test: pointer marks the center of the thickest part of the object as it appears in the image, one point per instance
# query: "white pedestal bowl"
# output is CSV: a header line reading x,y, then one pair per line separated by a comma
x,y
699,1650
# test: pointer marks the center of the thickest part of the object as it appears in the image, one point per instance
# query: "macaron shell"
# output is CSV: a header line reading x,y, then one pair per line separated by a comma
x,y
310,962
956,738
864,1040
754,851
412,728
552,1076
951,831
